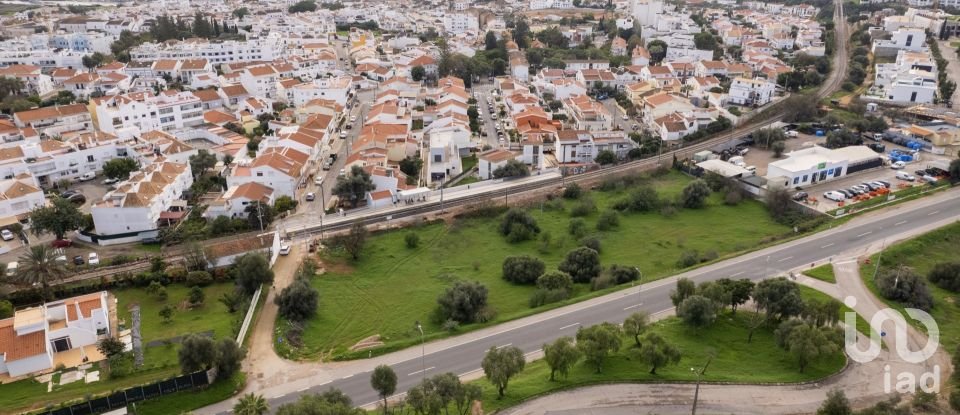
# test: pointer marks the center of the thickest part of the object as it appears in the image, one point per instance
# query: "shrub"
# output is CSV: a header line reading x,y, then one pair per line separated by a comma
x,y
694,194
555,280
583,264
176,273
522,269
572,191
946,275
609,219
688,258
298,301
196,296
591,242
623,274
199,278
450,326
577,227
464,302
904,285
518,225
601,282
584,207
542,296
733,198
412,240
643,199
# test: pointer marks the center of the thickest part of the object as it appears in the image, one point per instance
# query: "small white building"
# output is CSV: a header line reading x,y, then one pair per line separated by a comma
x,y
818,164
751,92
491,160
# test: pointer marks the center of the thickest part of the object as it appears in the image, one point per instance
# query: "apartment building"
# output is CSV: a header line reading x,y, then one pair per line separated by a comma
x,y
751,92
140,205
56,120
586,114
132,114
259,49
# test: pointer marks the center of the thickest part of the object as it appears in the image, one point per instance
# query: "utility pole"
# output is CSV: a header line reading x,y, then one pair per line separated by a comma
x,y
696,392
423,366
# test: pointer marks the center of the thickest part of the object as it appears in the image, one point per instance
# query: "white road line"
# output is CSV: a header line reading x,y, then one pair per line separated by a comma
x,y
508,344
864,234
324,383
933,213
569,325
301,390
420,371
739,273
900,223
781,260
827,245
347,377
633,306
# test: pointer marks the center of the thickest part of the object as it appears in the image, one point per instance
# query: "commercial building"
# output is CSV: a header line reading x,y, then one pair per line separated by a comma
x,y
819,164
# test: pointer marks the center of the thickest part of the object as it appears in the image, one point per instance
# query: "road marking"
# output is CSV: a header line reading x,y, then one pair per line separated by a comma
x,y
739,273
864,234
633,306
301,390
900,223
781,260
348,377
569,325
508,344
827,245
324,383
419,371
933,213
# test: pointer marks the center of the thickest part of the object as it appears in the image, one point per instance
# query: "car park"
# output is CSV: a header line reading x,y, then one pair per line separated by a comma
x,y
6,235
834,196
310,197
93,259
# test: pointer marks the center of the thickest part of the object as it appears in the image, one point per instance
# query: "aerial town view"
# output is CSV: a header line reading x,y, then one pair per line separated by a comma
x,y
470,207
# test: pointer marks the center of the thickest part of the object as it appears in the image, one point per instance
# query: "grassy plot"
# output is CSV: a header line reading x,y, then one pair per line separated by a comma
x,y
823,273
392,286
759,361
184,402
922,253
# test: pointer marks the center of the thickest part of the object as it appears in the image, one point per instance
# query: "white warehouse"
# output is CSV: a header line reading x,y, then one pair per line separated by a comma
x,y
818,164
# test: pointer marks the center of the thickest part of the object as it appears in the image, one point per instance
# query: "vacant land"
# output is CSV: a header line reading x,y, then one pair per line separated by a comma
x,y
759,361
823,273
391,286
160,360
922,253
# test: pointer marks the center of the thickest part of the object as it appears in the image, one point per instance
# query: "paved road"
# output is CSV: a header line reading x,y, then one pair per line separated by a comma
x,y
464,358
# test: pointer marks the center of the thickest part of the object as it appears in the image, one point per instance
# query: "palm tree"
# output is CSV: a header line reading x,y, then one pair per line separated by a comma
x,y
251,404
39,265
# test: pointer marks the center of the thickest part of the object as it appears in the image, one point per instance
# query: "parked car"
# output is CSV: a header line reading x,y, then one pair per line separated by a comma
x,y
897,165
310,197
902,175
93,258
872,186
920,173
855,191
834,196
284,249
110,181
12,268
6,235
846,193
61,243
792,134
318,180
800,196
929,179
87,176
884,183
69,193
77,199
78,260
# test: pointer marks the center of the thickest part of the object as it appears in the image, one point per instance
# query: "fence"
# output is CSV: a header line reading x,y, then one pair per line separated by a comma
x,y
136,394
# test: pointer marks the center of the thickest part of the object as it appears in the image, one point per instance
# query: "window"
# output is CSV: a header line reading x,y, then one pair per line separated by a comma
x,y
259,174
804,178
913,96
90,159
437,158
909,40
796,180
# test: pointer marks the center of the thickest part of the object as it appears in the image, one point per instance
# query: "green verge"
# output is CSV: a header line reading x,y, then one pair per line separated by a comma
x,y
391,286
184,402
823,273
922,253
160,362
727,337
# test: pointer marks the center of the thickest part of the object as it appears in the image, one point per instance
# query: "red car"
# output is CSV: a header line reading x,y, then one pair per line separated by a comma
x,y
61,243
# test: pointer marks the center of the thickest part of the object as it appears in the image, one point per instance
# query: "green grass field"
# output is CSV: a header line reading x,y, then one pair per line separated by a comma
x,y
760,361
184,402
392,286
922,253
160,362
823,273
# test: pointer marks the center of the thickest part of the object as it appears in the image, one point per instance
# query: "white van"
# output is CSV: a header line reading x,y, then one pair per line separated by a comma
x,y
12,268
792,134
87,176
902,175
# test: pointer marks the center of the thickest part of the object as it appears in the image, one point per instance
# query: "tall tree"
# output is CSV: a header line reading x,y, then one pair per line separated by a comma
x,y
490,40
598,342
521,31
384,381
259,215
197,353
354,241
252,270
499,365
58,218
251,404
685,288
836,404
354,186
201,162
120,168
656,352
636,324
697,311
39,266
560,355
417,73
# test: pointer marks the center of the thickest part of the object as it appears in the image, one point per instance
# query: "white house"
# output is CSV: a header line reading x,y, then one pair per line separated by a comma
x,y
20,195
233,203
141,204
751,92
491,160
280,168
33,339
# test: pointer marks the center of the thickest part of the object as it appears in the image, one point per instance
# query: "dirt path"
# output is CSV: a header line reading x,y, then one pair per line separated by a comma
x,y
863,383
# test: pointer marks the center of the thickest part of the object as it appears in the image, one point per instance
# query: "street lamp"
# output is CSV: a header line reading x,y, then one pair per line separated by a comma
x,y
639,287
423,366
699,373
